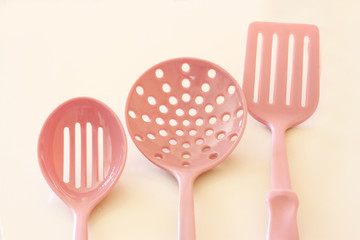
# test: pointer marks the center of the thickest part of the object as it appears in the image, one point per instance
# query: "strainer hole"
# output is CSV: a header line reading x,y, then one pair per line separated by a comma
x,y
151,136
192,132
163,133
179,132
173,122
199,141
209,132
139,90
239,113
220,135
233,137
225,117
209,108
139,138
173,141
173,100
212,120
220,99
240,123
166,88
199,100
205,149
186,123
186,97
159,121
192,112
213,156
132,114
179,112
151,100
159,73
186,145
186,164
163,109
185,83
199,122
185,67
212,73
186,155
158,156
205,87
231,89
146,118
165,149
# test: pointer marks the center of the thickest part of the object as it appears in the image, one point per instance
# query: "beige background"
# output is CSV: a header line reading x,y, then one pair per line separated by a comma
x,y
51,51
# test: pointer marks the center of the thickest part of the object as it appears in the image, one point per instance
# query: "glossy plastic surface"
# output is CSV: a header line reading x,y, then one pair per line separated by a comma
x,y
96,144
281,84
186,115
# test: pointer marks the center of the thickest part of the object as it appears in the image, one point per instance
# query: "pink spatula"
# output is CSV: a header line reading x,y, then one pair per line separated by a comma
x,y
281,84
82,151
186,115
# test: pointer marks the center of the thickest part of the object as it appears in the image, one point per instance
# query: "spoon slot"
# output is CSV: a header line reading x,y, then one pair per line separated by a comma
x,y
89,157
101,154
83,155
66,154
78,154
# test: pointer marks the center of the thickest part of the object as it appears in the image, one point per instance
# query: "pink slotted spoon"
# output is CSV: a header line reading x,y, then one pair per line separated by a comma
x,y
186,115
82,152
281,84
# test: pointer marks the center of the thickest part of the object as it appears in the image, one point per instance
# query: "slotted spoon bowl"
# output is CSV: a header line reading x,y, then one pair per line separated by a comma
x,y
82,151
281,84
186,115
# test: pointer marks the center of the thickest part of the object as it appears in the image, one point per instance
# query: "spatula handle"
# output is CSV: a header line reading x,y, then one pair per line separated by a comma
x,y
80,226
186,217
282,206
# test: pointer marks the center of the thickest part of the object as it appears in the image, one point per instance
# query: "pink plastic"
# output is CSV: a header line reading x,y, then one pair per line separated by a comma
x,y
93,187
285,110
186,115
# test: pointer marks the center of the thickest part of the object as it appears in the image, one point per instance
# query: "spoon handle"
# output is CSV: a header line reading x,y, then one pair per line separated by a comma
x,y
80,225
186,217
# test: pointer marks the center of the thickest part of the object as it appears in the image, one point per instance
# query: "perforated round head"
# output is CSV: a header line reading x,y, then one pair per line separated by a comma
x,y
186,114
82,150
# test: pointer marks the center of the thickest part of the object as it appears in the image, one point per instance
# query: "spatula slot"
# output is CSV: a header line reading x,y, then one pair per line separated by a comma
x,y
305,70
257,67
274,48
289,68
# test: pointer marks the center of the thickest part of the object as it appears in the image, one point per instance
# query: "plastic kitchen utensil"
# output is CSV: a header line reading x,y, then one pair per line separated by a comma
x,y
281,85
186,115
82,151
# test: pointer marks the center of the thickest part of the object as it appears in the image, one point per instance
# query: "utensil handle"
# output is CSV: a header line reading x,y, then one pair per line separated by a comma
x,y
280,176
186,217
80,226
282,206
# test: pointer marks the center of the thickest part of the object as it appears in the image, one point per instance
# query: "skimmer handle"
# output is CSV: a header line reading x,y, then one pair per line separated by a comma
x,y
186,217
